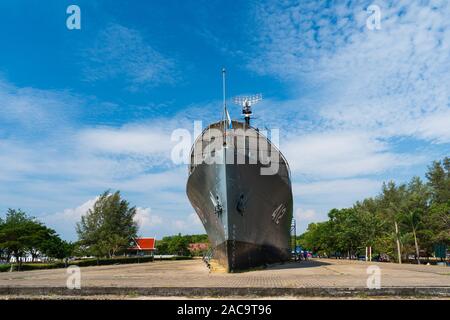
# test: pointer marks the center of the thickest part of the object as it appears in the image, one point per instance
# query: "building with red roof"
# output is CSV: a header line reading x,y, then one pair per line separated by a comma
x,y
143,246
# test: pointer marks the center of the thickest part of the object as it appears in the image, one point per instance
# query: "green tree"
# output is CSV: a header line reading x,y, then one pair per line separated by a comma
x,y
318,238
402,219
3,251
109,226
21,234
178,245
370,224
14,234
79,249
344,231
55,247
197,238
437,221
38,235
162,246
438,176
415,209
392,203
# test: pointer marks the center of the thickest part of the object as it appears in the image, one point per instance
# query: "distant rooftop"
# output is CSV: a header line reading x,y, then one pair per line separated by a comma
x,y
143,244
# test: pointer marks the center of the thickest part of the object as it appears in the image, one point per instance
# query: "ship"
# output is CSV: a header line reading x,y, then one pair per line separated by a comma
x,y
240,187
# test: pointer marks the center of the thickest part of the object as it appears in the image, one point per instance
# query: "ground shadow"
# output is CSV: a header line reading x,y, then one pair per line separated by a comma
x,y
297,265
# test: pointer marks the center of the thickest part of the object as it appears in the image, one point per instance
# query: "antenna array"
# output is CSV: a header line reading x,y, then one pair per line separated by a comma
x,y
247,101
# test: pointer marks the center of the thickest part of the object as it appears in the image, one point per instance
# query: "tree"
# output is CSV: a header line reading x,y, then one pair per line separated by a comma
x,y
21,234
437,221
162,246
438,176
79,249
14,234
178,245
370,224
392,201
37,236
55,247
402,219
3,252
345,230
413,220
196,238
416,207
109,226
318,238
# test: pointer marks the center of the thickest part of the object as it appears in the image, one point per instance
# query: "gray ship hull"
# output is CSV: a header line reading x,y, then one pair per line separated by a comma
x,y
252,227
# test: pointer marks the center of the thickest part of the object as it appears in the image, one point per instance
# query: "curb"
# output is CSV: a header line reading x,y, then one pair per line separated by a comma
x,y
225,291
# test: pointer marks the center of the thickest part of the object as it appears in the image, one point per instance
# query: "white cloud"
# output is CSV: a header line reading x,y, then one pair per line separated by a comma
x,y
340,154
305,214
41,175
146,219
340,192
13,160
64,222
352,91
180,224
31,108
313,199
358,97
72,215
131,139
384,81
191,224
435,127
46,174
121,52
67,219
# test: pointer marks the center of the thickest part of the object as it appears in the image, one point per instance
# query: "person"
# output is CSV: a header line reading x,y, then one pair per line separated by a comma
x,y
305,255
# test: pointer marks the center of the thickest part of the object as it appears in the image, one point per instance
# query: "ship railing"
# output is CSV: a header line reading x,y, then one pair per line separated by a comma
x,y
200,137
288,169
192,165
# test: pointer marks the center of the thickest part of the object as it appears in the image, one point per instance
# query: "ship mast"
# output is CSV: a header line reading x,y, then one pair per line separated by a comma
x,y
226,116
224,97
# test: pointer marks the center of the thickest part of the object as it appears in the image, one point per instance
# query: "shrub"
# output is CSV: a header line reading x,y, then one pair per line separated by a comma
x,y
110,261
31,266
40,266
4,267
80,263
181,258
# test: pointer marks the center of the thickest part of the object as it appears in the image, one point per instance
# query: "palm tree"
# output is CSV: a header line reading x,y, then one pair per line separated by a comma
x,y
413,219
392,203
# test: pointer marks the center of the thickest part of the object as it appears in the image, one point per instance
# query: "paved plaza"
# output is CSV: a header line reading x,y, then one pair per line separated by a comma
x,y
323,273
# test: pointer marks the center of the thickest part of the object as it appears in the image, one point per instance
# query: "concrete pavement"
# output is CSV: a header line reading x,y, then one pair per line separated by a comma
x,y
191,277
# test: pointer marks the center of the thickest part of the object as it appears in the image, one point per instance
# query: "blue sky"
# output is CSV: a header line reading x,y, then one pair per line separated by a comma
x,y
82,111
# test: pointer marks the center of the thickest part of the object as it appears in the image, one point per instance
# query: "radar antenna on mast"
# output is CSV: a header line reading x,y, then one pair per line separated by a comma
x,y
246,103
